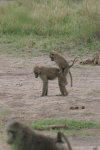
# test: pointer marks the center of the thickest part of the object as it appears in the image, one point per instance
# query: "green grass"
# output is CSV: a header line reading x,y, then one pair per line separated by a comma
x,y
85,68
75,19
4,112
94,91
31,27
33,46
72,132
73,125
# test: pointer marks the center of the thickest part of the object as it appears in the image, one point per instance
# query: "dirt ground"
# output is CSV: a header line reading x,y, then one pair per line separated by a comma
x,y
20,93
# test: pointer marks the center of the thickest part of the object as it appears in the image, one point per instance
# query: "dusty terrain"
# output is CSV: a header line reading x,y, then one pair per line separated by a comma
x,y
20,92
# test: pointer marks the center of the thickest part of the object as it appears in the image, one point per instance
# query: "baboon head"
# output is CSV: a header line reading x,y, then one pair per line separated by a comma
x,y
37,71
14,132
52,55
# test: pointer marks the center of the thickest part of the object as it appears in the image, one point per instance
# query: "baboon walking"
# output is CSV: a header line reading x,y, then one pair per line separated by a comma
x,y
50,73
21,137
61,62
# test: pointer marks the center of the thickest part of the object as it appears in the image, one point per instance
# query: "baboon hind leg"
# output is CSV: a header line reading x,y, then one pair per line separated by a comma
x,y
62,80
66,71
46,93
63,91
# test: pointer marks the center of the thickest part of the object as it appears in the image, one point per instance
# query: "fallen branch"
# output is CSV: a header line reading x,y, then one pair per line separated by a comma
x,y
59,126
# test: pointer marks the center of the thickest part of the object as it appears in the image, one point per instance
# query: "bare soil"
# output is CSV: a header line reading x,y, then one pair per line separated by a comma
x,y
20,92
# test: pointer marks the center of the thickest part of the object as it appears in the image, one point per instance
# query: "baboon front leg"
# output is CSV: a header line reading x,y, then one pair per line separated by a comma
x,y
45,86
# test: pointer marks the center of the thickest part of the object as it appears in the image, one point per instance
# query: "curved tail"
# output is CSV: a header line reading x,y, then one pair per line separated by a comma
x,y
74,61
71,78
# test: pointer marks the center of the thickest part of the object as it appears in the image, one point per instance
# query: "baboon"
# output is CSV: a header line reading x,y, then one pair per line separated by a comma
x,y
87,62
97,58
61,62
22,137
50,73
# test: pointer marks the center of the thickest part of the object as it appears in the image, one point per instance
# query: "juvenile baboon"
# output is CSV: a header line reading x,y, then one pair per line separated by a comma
x,y
50,73
97,58
22,137
61,62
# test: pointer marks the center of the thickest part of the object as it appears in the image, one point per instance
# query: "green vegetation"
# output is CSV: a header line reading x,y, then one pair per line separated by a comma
x,y
73,125
51,17
27,26
85,68
4,112
94,91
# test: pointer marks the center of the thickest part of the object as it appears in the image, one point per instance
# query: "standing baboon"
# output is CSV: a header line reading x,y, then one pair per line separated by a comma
x,y
21,137
50,73
97,58
61,62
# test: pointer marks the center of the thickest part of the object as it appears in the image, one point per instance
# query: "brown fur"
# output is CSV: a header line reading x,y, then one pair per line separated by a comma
x,y
21,137
97,58
86,62
61,62
50,73
63,91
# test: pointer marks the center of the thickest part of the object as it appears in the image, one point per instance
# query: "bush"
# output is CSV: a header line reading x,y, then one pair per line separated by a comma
x,y
75,19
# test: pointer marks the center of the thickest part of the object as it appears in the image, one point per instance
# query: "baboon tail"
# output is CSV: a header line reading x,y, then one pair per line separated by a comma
x,y
71,78
74,62
60,135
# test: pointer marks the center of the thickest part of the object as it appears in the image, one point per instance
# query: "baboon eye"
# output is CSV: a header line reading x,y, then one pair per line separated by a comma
x,y
52,54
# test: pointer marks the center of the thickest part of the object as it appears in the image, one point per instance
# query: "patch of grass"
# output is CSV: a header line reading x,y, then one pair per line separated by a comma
x,y
4,112
72,132
85,68
71,124
75,19
94,91
33,46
